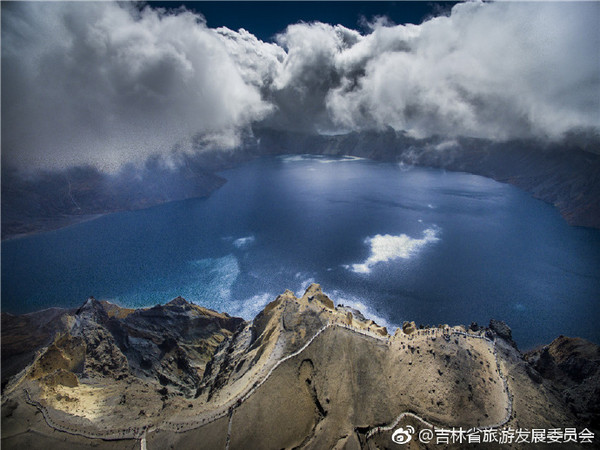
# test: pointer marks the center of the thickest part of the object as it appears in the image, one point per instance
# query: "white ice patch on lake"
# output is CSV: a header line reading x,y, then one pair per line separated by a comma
x,y
214,278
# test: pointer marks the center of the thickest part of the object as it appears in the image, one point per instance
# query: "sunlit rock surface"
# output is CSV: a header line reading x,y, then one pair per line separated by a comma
x,y
304,373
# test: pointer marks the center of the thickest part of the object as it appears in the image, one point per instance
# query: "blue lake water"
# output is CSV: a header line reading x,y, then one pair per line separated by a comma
x,y
398,243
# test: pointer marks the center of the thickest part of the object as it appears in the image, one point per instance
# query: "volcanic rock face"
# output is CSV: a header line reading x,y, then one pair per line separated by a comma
x,y
23,335
172,344
168,345
304,373
503,331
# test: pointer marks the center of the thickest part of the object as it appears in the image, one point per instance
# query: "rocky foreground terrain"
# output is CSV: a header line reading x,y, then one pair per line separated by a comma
x,y
303,374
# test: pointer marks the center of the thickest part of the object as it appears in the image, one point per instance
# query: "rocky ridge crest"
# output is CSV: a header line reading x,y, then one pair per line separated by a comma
x,y
304,373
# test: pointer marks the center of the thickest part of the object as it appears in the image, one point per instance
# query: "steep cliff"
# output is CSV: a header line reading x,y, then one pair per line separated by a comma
x,y
571,366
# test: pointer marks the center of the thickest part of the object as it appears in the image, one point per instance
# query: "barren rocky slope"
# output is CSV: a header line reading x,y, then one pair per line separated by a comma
x,y
571,366
303,374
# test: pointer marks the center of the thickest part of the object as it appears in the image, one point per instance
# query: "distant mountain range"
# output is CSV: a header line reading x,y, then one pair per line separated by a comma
x,y
565,174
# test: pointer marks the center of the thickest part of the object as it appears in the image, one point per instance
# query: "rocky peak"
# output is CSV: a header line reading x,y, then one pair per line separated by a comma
x,y
93,310
572,367
313,290
566,360
503,331
314,293
409,327
179,301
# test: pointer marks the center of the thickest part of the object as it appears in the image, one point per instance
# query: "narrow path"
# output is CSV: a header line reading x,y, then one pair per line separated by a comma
x,y
107,435
394,424
229,407
228,440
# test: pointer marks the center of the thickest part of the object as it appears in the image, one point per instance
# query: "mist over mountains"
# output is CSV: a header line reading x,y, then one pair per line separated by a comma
x,y
119,106
108,84
558,173
123,106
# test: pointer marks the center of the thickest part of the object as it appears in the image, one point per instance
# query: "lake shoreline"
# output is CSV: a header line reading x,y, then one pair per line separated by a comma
x,y
65,221
284,220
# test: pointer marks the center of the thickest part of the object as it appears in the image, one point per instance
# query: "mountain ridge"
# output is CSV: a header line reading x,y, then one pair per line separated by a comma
x,y
303,373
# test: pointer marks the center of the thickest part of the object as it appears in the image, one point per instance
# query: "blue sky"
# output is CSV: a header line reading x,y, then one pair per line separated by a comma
x,y
267,18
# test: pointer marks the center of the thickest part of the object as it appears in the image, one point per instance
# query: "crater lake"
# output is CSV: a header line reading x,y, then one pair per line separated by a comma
x,y
396,242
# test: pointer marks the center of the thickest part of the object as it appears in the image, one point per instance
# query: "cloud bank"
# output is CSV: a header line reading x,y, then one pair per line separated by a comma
x,y
107,84
386,248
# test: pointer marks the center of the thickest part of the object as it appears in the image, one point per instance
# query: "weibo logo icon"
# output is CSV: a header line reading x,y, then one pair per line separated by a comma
x,y
403,435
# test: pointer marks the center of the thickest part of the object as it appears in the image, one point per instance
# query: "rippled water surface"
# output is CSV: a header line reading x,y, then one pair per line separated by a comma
x,y
399,243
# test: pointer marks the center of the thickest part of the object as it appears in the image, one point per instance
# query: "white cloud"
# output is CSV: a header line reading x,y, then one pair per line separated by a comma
x,y
258,62
489,70
106,84
386,248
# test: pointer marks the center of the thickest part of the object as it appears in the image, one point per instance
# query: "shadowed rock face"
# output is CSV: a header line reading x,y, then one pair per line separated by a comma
x,y
503,331
168,344
304,373
572,366
24,334
172,343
